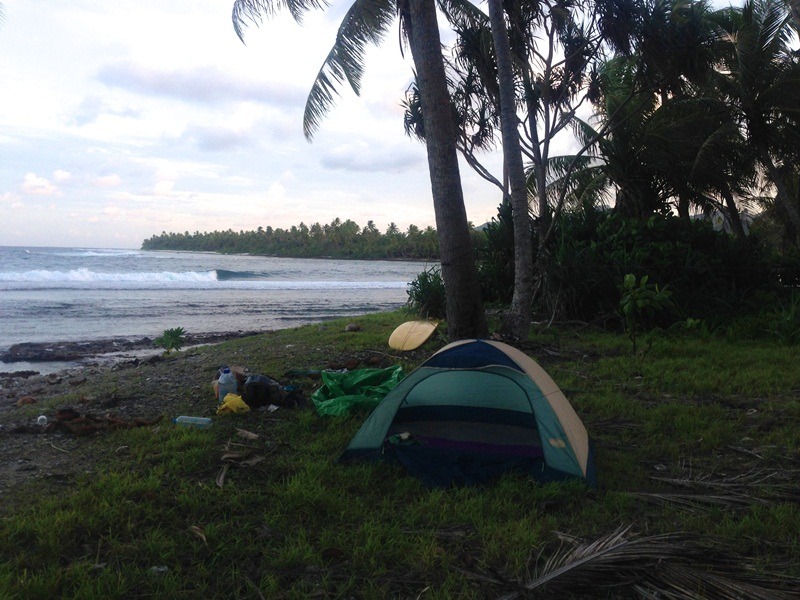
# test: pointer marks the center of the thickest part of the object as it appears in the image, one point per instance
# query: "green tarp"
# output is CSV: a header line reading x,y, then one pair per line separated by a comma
x,y
361,387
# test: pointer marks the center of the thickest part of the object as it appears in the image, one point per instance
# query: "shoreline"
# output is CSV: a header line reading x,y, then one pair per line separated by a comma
x,y
256,255
35,358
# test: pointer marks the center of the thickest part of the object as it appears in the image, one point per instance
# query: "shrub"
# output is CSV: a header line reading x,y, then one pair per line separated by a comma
x,y
712,275
496,257
784,323
426,295
171,339
639,300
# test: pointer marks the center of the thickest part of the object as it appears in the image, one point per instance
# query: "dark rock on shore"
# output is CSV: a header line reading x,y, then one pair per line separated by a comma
x,y
19,374
67,351
72,351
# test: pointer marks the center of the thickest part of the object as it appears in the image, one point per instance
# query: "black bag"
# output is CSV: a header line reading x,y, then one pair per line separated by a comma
x,y
260,390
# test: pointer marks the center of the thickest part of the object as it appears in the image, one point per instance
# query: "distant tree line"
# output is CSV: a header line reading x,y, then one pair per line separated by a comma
x,y
338,239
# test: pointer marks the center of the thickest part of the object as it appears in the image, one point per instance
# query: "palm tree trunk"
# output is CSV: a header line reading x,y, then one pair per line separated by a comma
x,y
518,320
733,213
784,196
683,207
465,315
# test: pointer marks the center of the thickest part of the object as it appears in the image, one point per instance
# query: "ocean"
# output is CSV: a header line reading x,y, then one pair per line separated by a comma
x,y
82,294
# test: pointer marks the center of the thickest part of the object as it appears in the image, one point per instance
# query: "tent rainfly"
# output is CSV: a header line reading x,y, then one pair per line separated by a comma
x,y
474,410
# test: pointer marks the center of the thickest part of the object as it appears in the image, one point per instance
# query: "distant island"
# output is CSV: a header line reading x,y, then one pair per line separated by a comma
x,y
339,239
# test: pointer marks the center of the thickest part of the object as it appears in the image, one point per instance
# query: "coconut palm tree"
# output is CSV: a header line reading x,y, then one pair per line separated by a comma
x,y
760,82
628,157
465,315
367,21
672,138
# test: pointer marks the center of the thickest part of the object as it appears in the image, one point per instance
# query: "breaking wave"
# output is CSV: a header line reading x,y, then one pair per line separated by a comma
x,y
215,279
92,253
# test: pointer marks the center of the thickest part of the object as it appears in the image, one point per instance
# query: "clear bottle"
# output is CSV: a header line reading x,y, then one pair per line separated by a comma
x,y
227,384
199,422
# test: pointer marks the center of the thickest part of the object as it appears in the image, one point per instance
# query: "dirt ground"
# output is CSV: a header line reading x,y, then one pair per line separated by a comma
x,y
146,389
54,454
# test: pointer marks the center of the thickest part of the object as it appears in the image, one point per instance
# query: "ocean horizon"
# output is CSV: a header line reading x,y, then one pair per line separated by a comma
x,y
86,294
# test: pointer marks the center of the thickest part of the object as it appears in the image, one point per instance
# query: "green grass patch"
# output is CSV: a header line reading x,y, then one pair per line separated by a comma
x,y
151,521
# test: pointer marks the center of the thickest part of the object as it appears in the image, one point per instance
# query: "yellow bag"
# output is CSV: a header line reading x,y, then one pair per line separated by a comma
x,y
232,403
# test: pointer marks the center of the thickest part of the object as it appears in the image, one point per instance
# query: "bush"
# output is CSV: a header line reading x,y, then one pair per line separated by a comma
x,y
426,295
496,257
784,322
171,339
713,276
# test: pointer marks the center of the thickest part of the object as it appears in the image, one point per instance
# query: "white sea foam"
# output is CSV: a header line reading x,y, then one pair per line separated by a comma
x,y
85,276
87,279
110,253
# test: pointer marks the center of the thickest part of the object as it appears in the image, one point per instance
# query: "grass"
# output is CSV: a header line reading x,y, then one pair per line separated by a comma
x,y
150,521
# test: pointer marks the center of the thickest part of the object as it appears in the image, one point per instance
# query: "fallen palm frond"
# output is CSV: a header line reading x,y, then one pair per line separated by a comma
x,y
682,582
668,567
740,491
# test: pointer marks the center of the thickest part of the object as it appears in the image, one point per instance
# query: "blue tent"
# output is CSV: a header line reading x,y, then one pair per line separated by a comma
x,y
472,411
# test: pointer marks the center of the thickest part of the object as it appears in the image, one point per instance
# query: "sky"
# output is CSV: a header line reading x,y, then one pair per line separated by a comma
x,y
120,120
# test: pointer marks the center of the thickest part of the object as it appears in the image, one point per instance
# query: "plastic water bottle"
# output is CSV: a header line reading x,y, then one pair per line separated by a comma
x,y
199,422
227,384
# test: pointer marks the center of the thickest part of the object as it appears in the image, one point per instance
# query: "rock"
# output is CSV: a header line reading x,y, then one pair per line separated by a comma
x,y
73,351
25,400
19,374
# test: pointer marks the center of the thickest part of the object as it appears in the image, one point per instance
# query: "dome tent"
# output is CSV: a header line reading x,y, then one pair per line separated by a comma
x,y
474,410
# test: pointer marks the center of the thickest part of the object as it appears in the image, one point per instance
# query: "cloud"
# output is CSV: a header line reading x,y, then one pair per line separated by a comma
x,y
60,175
33,185
362,156
206,85
10,200
92,108
217,139
107,181
163,188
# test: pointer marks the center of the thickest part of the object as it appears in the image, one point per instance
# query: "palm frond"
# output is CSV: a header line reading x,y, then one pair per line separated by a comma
x,y
614,559
560,166
460,12
589,186
246,12
687,582
712,148
583,130
413,123
757,487
365,22
773,34
667,567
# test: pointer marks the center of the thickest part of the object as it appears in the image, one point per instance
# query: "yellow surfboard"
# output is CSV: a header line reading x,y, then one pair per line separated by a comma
x,y
412,334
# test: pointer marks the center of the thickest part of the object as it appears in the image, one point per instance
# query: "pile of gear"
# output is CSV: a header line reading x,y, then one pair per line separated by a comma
x,y
238,392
